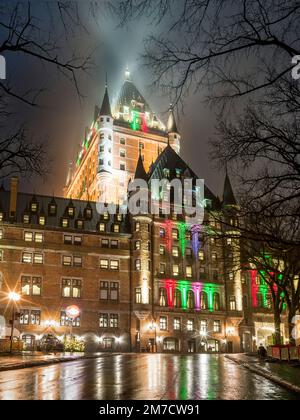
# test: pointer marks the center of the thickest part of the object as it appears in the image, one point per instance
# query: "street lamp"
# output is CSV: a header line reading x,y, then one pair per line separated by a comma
x,y
72,313
13,297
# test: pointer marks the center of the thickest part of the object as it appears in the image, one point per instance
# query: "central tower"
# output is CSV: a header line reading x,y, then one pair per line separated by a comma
x,y
118,135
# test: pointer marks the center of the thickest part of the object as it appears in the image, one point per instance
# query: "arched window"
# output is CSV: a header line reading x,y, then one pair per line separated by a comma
x,y
190,300
177,298
216,302
162,297
204,301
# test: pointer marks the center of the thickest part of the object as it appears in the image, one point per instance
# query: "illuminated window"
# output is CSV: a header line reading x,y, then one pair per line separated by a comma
x,y
177,324
28,236
26,218
33,207
162,268
79,224
189,272
71,288
204,301
67,260
217,326
190,325
138,295
52,209
27,257
162,250
101,227
65,222
216,302
103,320
175,270
66,322
177,298
163,323
38,237
37,258
175,233
68,239
232,303
24,316
104,264
214,257
114,321
201,255
114,265
71,211
203,325
162,297
138,265
122,153
1,216
137,226
42,220
26,285
137,245
116,228
175,251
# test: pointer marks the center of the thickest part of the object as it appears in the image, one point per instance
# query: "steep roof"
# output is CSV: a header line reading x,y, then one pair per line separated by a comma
x,y
140,172
228,195
171,126
171,161
105,107
129,92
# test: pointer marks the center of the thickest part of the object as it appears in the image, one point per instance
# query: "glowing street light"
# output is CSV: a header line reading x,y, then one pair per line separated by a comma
x,y
13,297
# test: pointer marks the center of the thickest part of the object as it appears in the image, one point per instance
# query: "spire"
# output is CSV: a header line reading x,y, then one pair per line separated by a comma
x,y
127,74
105,108
228,195
140,172
172,127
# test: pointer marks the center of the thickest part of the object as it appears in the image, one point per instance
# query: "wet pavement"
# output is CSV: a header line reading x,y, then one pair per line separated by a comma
x,y
141,376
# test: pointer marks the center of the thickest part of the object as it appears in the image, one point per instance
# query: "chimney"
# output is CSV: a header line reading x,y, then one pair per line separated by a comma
x,y
14,183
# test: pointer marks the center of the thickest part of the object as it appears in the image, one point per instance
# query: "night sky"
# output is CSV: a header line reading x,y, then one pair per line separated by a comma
x,y
62,118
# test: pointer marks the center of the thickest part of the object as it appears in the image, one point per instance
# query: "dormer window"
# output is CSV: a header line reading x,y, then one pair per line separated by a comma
x,y
178,173
166,173
42,220
26,218
1,216
33,207
71,211
65,222
79,224
116,228
88,213
52,209
105,216
119,217
101,227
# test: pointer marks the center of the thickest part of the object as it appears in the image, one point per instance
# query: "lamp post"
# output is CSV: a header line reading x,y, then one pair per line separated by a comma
x,y
153,327
13,297
72,313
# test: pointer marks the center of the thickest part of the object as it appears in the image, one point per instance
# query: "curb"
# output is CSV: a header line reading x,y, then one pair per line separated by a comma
x,y
271,377
24,365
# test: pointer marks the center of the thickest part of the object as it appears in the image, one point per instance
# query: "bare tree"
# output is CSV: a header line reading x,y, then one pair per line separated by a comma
x,y
41,32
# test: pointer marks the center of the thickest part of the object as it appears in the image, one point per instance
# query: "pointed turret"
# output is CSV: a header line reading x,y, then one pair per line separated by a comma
x,y
173,135
228,195
140,172
171,126
105,107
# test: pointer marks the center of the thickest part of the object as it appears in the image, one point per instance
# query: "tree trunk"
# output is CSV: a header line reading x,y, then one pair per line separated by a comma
x,y
291,325
277,324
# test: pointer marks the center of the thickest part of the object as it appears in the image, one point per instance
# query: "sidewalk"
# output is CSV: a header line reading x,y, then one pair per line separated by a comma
x,y
288,376
25,360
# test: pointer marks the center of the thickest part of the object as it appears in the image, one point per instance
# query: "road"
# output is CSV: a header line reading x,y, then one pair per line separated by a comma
x,y
140,376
